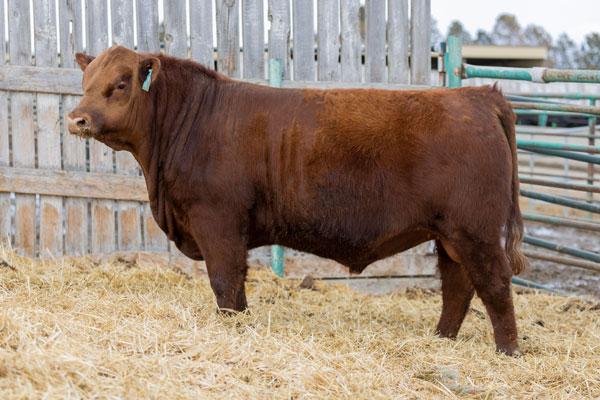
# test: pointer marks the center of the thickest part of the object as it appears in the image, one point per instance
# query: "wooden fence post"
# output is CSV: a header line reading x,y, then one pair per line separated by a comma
x,y
420,33
398,39
5,213
279,34
375,57
228,40
304,41
351,41
23,137
328,40
201,32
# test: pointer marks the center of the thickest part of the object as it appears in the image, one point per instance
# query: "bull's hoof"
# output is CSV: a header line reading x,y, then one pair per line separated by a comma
x,y
509,350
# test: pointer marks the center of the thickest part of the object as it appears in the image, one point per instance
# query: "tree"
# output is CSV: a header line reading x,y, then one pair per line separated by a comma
x,y
507,30
590,52
535,35
456,28
564,53
483,38
436,36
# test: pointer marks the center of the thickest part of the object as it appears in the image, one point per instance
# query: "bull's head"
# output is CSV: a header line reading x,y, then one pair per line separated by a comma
x,y
116,102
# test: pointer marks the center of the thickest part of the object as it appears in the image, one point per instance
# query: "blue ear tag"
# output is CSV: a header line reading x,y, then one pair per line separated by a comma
x,y
146,85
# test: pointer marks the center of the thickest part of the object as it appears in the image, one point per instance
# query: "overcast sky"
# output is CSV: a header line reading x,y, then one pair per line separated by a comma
x,y
575,17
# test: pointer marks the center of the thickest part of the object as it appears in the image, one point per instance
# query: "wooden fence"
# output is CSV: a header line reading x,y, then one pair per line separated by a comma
x,y
61,195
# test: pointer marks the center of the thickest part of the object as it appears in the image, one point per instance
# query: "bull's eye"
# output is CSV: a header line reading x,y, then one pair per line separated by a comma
x,y
121,86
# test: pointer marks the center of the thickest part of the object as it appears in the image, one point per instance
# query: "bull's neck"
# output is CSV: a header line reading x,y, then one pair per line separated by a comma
x,y
179,106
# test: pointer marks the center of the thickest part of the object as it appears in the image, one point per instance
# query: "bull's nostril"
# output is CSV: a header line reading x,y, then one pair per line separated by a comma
x,y
81,122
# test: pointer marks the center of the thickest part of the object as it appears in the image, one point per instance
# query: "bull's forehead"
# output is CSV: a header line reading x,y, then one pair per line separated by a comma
x,y
108,66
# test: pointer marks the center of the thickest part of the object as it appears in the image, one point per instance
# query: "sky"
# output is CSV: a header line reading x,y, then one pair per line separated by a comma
x,y
575,17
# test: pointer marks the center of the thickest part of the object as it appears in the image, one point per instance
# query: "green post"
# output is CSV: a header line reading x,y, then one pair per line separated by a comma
x,y
277,252
453,62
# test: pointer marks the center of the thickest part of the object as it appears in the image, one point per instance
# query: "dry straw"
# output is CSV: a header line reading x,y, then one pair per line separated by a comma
x,y
78,329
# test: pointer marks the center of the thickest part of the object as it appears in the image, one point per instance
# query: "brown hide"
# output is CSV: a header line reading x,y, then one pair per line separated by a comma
x,y
353,175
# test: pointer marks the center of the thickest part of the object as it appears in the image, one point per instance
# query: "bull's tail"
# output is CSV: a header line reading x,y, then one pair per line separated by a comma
x,y
514,224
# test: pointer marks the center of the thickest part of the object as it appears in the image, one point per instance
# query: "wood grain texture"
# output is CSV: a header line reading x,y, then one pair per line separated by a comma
x,y
328,40
73,183
175,31
101,157
420,36
201,32
74,148
147,25
228,40
279,33
41,80
304,41
48,128
351,43
375,57
23,139
5,212
155,239
398,37
253,39
129,235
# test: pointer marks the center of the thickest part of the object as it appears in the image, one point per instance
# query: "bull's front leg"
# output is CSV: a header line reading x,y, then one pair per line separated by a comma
x,y
222,242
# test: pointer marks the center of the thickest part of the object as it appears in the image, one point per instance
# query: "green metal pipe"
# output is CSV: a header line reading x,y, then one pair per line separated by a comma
x,y
530,284
541,112
557,146
554,134
277,252
453,62
514,97
555,95
589,265
535,74
564,154
587,255
579,205
572,223
562,185
555,107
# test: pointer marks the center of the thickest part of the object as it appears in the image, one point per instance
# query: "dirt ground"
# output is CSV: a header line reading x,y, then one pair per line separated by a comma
x,y
567,279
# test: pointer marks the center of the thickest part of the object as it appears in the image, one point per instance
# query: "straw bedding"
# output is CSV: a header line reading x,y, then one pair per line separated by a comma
x,y
77,329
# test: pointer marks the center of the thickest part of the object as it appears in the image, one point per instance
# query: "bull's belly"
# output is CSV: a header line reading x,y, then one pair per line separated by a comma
x,y
357,254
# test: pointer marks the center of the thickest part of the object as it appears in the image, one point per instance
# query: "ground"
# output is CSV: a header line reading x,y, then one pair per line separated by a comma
x,y
120,330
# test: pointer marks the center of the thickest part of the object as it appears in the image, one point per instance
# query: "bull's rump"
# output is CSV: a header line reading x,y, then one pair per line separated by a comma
x,y
377,172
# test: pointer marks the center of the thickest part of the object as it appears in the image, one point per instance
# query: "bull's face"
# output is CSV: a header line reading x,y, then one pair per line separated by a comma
x,y
115,105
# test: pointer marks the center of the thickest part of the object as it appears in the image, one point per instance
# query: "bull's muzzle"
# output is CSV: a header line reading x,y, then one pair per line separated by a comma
x,y
79,125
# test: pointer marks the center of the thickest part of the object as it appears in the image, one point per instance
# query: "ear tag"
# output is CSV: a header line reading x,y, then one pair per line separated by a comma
x,y
146,85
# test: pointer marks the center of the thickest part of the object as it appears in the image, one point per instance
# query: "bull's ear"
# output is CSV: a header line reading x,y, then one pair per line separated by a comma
x,y
149,70
83,60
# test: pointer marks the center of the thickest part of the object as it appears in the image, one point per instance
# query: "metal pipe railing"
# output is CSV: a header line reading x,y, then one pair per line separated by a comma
x,y
535,74
563,201
564,154
572,223
586,255
523,143
561,185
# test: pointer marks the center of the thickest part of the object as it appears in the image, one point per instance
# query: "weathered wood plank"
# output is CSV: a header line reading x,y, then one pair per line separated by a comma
x,y
72,183
304,41
41,80
279,33
375,41
175,31
420,33
147,26
228,41
30,79
201,31
129,235
398,36
74,148
101,157
23,140
154,238
48,127
5,213
253,39
351,43
328,40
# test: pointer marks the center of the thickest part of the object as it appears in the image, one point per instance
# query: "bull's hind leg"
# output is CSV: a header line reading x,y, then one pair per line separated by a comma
x,y
487,266
457,292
